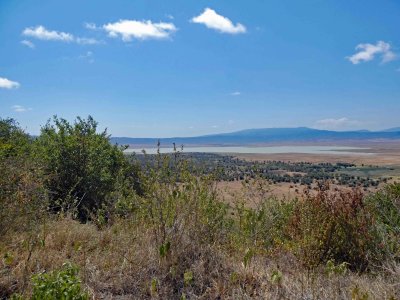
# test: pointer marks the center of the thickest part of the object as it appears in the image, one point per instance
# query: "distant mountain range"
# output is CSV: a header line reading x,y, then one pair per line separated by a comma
x,y
264,135
395,129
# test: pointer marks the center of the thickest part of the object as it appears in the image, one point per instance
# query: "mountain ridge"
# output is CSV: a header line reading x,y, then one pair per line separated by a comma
x,y
394,129
265,135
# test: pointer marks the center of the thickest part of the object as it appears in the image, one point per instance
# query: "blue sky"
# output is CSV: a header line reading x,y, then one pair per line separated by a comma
x,y
182,68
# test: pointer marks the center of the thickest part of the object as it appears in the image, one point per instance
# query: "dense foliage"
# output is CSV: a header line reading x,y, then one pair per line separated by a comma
x,y
83,167
63,284
13,140
385,207
22,190
334,226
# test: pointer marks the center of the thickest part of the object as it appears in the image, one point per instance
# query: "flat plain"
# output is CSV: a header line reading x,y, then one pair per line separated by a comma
x,y
383,159
380,152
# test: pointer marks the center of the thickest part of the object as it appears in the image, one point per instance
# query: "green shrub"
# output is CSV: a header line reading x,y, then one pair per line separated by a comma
x,y
63,284
385,205
176,201
83,167
262,226
23,197
336,226
13,140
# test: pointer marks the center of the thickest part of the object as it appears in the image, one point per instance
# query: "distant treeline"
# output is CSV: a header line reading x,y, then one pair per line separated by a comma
x,y
230,168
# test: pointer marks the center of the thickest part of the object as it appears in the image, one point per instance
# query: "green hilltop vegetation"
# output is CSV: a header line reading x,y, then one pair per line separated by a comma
x,y
80,220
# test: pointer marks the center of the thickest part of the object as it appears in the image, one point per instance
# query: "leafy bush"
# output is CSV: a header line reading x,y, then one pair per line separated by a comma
x,y
13,140
184,220
262,227
63,284
385,205
174,200
23,197
333,225
83,167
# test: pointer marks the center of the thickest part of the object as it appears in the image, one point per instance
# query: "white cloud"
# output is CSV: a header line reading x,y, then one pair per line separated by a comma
x,y
388,56
337,124
41,33
28,44
20,108
367,52
131,29
217,22
87,41
91,26
8,84
214,126
236,93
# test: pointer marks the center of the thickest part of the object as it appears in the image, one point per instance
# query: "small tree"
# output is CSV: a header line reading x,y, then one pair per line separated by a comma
x,y
13,140
82,165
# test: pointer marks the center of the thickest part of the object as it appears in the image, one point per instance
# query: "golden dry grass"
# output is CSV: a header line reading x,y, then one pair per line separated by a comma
x,y
121,262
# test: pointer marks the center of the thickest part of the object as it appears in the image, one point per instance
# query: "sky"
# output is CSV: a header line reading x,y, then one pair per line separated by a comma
x,y
156,68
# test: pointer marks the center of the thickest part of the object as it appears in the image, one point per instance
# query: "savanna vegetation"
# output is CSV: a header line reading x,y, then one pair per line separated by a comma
x,y
230,168
79,220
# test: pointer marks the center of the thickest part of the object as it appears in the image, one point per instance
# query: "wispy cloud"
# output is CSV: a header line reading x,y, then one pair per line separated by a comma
x,y
236,93
91,26
211,19
20,108
367,52
337,124
28,44
141,30
87,41
88,56
8,84
42,33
